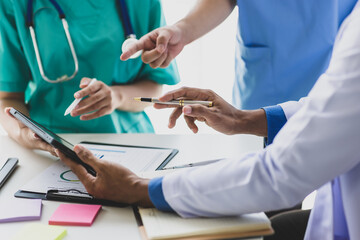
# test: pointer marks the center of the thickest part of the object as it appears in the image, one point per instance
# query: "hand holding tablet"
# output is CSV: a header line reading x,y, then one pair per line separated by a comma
x,y
51,138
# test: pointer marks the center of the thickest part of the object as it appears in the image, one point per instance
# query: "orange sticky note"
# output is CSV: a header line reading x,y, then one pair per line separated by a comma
x,y
75,215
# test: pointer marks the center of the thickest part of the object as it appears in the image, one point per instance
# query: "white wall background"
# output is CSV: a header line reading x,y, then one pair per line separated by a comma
x,y
206,63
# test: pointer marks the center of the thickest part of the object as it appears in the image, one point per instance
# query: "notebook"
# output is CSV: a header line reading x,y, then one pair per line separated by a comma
x,y
164,225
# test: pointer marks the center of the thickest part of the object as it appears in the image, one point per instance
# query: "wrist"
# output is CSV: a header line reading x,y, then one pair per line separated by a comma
x,y
116,97
252,122
141,193
183,29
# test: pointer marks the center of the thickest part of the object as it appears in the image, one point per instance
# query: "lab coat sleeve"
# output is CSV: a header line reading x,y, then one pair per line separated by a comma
x,y
291,107
318,143
277,115
14,70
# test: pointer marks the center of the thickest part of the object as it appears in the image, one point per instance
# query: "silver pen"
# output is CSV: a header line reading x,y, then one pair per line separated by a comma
x,y
180,102
195,164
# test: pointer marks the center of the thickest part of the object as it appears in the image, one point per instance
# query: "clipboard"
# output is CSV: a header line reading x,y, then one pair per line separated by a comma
x,y
74,195
74,198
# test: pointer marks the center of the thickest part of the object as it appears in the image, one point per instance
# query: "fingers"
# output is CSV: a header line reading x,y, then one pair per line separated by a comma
x,y
7,112
190,121
84,82
93,103
99,113
159,62
167,61
189,93
174,116
151,56
197,111
133,48
89,90
162,41
162,106
79,170
157,56
88,157
38,143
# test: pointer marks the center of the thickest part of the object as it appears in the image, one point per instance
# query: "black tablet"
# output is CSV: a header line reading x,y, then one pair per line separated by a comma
x,y
51,138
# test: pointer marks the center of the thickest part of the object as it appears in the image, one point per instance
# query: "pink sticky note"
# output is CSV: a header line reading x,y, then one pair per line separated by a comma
x,y
75,215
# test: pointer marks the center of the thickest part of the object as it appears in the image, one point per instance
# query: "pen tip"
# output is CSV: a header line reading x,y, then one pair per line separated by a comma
x,y
137,98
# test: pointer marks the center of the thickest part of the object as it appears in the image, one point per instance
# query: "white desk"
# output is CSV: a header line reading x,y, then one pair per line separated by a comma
x,y
112,222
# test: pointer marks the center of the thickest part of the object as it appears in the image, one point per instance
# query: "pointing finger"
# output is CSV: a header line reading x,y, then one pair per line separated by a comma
x,y
132,49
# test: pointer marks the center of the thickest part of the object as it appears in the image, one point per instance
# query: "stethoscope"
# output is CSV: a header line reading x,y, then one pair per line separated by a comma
x,y
129,36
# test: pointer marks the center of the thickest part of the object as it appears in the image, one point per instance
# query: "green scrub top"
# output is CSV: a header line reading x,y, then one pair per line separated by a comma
x,y
97,33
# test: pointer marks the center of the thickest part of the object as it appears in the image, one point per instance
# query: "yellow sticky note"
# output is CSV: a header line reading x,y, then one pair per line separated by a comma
x,y
37,231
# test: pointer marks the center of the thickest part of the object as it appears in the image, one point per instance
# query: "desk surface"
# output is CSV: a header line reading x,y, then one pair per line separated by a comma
x,y
112,222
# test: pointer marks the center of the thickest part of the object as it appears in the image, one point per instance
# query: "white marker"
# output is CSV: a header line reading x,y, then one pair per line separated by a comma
x,y
76,101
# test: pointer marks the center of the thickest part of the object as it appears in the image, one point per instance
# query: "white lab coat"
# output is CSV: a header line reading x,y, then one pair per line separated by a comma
x,y
320,141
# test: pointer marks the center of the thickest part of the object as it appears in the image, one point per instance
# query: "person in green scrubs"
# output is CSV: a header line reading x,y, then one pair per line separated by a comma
x,y
97,33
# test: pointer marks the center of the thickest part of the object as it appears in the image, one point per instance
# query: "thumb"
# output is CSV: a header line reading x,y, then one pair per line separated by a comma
x,y
87,157
162,41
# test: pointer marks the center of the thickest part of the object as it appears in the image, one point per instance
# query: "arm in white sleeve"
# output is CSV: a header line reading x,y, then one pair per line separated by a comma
x,y
318,143
291,107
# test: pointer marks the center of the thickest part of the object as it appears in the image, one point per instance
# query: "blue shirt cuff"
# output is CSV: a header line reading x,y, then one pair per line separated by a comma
x,y
276,119
157,196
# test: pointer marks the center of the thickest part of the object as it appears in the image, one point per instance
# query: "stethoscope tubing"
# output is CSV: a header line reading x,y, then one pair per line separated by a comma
x,y
129,33
30,24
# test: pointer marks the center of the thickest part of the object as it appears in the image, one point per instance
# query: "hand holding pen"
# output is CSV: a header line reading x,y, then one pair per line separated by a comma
x,y
221,116
94,100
